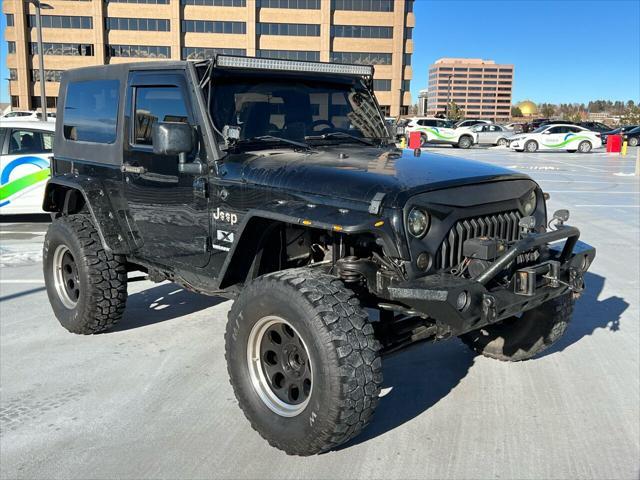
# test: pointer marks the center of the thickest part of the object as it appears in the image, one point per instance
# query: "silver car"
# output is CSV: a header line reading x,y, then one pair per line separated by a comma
x,y
492,135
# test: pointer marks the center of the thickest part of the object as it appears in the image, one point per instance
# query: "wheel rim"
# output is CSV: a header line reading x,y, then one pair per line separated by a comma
x,y
66,278
502,142
279,366
633,142
531,147
585,147
464,143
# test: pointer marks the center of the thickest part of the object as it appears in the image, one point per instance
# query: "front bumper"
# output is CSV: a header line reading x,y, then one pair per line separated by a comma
x,y
559,271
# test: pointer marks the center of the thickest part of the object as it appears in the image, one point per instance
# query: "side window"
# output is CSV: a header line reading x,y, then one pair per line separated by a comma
x,y
91,111
29,141
574,129
442,124
555,130
157,104
494,128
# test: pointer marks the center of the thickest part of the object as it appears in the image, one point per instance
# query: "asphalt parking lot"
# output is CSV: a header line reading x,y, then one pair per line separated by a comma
x,y
152,400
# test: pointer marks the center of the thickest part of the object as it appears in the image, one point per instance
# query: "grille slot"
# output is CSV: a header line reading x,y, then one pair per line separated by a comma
x,y
499,225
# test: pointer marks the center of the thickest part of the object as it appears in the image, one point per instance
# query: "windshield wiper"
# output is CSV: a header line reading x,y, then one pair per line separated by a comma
x,y
338,134
273,138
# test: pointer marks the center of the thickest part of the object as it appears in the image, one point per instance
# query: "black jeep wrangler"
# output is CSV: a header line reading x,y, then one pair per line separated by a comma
x,y
276,183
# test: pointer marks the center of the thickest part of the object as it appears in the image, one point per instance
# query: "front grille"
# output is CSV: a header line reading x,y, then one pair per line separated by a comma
x,y
499,225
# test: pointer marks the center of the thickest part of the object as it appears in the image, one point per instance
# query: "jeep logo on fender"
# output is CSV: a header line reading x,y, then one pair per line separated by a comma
x,y
223,216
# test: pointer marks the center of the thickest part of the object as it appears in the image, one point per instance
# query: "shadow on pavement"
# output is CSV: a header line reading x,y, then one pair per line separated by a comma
x,y
161,303
22,293
424,374
590,314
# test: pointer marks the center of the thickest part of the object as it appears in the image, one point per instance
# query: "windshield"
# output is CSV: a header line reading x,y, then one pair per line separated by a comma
x,y
296,109
540,129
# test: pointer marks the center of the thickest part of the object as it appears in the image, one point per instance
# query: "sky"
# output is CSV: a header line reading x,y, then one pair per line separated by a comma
x,y
564,51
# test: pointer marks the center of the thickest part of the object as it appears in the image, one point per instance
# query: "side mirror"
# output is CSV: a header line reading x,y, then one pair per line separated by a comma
x,y
176,138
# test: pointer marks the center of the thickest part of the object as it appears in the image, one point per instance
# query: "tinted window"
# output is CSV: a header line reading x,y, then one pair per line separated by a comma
x,y
28,141
157,104
91,111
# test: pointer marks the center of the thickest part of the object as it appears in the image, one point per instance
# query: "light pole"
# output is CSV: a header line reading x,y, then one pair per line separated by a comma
x,y
43,97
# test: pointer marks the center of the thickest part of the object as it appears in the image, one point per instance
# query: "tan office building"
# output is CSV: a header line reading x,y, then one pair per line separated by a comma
x,y
482,88
92,32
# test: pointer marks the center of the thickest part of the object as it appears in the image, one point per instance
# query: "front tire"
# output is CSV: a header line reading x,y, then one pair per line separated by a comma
x,y
531,146
584,146
303,360
502,142
86,285
521,338
465,142
633,142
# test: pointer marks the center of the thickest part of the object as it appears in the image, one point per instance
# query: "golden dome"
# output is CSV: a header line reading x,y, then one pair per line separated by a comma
x,y
528,108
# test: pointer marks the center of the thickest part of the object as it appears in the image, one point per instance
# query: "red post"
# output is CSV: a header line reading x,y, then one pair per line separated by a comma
x,y
414,140
614,143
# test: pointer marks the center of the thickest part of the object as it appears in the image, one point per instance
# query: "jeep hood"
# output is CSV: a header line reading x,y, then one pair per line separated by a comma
x,y
357,173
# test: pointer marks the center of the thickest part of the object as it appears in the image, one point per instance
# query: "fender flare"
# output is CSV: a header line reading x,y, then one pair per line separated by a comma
x,y
59,199
257,221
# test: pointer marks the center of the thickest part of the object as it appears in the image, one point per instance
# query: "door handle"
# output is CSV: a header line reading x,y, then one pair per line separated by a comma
x,y
126,168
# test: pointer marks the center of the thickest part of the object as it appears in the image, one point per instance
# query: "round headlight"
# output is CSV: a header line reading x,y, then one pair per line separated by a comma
x,y
529,203
418,222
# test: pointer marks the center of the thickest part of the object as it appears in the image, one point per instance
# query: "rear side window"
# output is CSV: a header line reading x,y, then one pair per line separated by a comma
x,y
30,141
157,104
91,111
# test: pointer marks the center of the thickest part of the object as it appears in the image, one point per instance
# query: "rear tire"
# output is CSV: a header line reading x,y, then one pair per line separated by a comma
x,y
86,285
584,146
515,339
531,146
312,405
633,142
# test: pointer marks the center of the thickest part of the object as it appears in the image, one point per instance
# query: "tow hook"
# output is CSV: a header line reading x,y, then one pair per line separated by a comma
x,y
576,282
489,313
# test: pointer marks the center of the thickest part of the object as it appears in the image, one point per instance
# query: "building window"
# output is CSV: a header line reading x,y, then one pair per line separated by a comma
x,y
386,110
301,4
408,6
9,17
201,53
49,75
408,33
407,58
364,5
15,101
140,24
216,3
153,2
382,85
404,110
206,26
11,47
61,21
140,51
305,55
52,102
357,31
504,83
361,58
64,49
91,111
295,29
13,74
406,85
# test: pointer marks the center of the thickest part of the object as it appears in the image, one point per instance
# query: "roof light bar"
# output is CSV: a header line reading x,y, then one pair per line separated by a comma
x,y
292,65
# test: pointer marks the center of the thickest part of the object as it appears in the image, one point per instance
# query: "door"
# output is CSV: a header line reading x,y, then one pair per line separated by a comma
x,y
492,133
24,169
552,138
484,135
170,209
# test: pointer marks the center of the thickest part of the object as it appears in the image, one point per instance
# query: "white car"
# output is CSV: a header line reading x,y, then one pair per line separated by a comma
x,y
27,116
441,131
471,123
25,152
490,134
571,138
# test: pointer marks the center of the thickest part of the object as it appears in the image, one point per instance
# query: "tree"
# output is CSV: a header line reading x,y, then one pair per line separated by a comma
x,y
516,112
547,110
454,112
631,116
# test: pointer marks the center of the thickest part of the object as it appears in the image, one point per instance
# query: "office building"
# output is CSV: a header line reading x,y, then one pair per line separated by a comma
x,y
481,88
77,33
